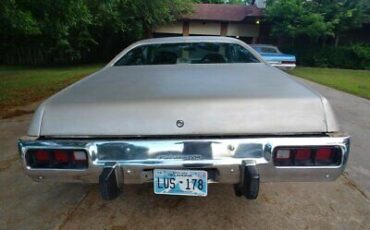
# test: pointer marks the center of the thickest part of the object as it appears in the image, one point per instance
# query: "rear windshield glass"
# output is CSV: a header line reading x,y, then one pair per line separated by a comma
x,y
187,53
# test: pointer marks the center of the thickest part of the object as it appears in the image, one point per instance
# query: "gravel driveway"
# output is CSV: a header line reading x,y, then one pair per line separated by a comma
x,y
343,204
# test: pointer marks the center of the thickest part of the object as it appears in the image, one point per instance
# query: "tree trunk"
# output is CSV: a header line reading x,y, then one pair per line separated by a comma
x,y
336,41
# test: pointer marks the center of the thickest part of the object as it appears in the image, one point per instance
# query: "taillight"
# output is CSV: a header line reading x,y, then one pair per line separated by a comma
x,y
79,156
42,155
307,156
303,154
57,158
61,156
323,154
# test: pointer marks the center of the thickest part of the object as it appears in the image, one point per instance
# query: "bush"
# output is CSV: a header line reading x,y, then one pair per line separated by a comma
x,y
354,56
362,52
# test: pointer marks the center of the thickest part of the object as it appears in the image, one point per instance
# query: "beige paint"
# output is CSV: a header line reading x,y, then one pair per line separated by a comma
x,y
174,28
139,207
206,28
210,28
244,30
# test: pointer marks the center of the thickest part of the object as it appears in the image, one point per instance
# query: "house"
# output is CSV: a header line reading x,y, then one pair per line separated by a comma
x,y
240,21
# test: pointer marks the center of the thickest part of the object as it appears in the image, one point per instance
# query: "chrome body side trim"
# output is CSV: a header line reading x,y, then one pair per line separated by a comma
x,y
136,158
284,66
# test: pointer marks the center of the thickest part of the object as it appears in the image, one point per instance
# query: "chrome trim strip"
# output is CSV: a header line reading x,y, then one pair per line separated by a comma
x,y
136,158
283,66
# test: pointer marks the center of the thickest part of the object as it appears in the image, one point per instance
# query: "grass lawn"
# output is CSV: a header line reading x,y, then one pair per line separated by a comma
x,y
24,85
356,82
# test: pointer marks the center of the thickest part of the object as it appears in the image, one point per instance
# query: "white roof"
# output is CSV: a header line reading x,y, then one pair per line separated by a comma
x,y
189,39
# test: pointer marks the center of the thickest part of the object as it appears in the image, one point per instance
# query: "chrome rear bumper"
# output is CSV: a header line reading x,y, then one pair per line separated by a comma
x,y
135,159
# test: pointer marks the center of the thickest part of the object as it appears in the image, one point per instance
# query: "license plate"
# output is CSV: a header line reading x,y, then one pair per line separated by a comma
x,y
180,182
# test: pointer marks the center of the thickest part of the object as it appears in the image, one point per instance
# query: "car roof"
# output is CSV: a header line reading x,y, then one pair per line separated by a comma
x,y
189,39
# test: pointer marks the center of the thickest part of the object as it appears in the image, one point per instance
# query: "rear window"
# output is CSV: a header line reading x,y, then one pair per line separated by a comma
x,y
187,53
268,50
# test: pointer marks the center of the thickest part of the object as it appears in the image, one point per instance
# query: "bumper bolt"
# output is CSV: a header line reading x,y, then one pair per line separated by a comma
x,y
231,147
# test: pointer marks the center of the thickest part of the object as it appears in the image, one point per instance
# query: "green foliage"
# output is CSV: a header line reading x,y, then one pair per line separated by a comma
x,y
16,21
290,18
69,31
283,17
312,23
354,56
314,26
342,14
315,18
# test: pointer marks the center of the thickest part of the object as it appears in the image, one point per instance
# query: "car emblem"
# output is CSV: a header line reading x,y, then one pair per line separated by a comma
x,y
180,123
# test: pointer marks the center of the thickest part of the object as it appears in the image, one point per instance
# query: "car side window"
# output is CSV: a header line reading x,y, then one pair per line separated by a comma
x,y
133,57
241,55
269,50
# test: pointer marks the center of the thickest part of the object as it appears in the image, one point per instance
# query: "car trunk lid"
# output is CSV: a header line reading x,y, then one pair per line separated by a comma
x,y
195,99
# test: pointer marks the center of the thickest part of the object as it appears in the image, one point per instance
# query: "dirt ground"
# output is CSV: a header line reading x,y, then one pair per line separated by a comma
x,y
343,204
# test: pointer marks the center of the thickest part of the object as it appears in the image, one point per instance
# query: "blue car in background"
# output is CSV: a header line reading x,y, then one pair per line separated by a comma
x,y
272,55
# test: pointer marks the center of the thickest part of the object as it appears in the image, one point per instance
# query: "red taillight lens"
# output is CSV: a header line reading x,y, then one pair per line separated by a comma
x,y
57,158
323,154
42,155
307,156
61,156
303,154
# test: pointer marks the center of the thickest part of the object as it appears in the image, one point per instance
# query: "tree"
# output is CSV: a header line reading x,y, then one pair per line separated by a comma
x,y
290,18
342,15
117,23
65,31
16,21
316,18
34,30
153,12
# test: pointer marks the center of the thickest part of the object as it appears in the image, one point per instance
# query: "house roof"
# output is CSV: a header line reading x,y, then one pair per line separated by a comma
x,y
223,12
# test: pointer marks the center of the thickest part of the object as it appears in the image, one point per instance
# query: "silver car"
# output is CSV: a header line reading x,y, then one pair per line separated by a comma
x,y
181,113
